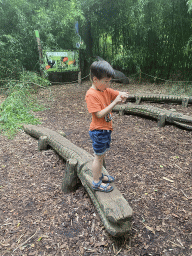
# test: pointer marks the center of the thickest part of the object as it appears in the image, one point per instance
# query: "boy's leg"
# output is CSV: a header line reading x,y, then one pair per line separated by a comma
x,y
97,168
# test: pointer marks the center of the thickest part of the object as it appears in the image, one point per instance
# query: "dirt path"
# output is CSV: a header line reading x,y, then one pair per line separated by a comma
x,y
152,167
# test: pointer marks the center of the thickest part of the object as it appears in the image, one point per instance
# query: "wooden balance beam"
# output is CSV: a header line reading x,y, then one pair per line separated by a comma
x,y
112,207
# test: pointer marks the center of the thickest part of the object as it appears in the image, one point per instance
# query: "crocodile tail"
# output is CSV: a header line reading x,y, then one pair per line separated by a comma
x,y
184,125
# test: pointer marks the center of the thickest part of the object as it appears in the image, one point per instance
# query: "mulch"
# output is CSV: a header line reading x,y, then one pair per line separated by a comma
x,y
152,167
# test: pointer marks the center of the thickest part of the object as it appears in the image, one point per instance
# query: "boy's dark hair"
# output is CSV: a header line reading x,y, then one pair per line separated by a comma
x,y
101,69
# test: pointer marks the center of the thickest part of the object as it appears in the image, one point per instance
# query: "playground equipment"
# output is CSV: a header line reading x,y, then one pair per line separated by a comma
x,y
162,115
112,207
160,98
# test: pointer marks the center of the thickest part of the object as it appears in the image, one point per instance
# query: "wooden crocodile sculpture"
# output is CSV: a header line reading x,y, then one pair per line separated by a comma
x,y
162,115
160,98
112,207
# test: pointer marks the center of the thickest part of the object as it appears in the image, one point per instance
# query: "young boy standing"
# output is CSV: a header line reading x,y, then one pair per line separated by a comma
x,y
100,101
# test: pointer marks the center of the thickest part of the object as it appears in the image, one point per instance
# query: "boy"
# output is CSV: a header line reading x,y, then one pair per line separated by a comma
x,y
100,101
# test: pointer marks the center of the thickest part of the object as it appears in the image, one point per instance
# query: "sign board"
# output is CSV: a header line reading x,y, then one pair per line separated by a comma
x,y
61,61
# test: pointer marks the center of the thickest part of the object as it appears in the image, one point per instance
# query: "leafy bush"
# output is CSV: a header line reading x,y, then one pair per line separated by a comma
x,y
20,103
16,110
125,63
33,79
25,79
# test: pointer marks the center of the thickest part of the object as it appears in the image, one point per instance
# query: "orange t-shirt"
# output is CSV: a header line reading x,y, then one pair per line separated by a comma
x,y
96,101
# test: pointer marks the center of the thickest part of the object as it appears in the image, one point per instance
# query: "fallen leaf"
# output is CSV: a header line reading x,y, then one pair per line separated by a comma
x,y
100,244
143,220
5,245
13,245
22,247
150,229
90,250
44,236
32,253
168,179
175,215
81,250
63,246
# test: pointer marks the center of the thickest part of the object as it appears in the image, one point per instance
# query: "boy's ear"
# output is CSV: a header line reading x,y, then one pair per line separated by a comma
x,y
95,79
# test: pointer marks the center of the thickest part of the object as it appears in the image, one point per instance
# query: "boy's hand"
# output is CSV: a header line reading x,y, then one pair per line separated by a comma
x,y
124,96
118,99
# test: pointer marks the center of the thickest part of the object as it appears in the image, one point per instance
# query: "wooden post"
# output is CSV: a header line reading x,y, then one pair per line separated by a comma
x,y
121,112
140,77
79,78
161,120
138,100
40,51
42,143
185,102
79,73
70,177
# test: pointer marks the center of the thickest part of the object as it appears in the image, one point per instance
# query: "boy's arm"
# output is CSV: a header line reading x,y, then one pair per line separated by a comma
x,y
108,109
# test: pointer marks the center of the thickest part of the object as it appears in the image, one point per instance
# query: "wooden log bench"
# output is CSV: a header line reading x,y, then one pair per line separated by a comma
x,y
113,209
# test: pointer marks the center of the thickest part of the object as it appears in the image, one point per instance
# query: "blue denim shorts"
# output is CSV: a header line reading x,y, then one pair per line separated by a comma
x,y
101,140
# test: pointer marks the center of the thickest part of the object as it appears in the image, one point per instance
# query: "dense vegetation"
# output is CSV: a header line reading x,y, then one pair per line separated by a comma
x,y
20,103
135,36
154,36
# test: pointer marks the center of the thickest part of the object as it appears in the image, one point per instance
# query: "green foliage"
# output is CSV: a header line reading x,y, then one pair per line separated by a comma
x,y
27,79
189,3
20,104
156,33
32,78
16,111
55,21
152,35
10,65
125,62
